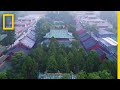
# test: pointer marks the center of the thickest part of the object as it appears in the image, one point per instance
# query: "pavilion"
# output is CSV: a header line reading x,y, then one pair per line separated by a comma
x,y
60,33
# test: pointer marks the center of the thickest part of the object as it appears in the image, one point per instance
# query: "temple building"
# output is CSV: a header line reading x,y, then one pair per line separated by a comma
x,y
110,46
60,33
59,24
89,43
25,40
104,33
23,23
105,46
24,43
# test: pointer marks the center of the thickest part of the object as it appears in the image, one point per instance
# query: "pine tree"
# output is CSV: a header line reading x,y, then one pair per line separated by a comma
x,y
29,68
92,62
62,64
3,75
52,64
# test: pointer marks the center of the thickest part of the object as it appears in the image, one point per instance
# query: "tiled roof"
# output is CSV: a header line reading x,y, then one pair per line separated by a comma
x,y
89,43
87,36
17,49
103,32
27,42
83,34
108,41
31,35
2,49
80,31
59,34
59,23
2,58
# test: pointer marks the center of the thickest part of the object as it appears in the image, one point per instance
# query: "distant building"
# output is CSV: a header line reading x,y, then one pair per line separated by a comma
x,y
104,33
91,18
59,25
23,19
104,25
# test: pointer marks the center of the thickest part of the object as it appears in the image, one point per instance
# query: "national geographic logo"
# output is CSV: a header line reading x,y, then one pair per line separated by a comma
x,y
12,21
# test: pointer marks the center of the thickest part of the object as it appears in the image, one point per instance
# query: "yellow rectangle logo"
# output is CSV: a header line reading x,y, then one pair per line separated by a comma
x,y
118,62
8,15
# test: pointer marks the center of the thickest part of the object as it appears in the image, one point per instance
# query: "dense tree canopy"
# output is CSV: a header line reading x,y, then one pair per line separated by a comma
x,y
72,59
3,75
23,67
94,75
9,39
42,27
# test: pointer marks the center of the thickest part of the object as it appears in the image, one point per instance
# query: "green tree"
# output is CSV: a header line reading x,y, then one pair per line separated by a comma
x,y
94,75
76,44
92,62
105,74
39,55
22,67
10,38
100,75
29,68
66,76
81,75
74,58
3,75
16,62
110,66
62,63
42,27
52,64
71,61
81,59
72,28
